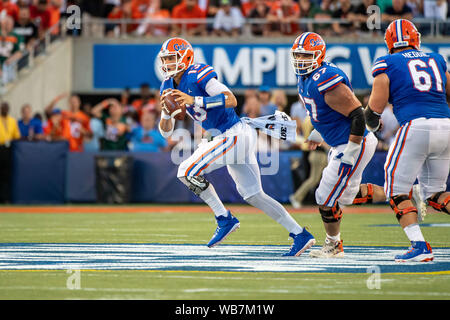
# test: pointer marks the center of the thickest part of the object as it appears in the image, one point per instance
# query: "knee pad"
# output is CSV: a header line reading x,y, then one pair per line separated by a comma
x,y
359,199
196,184
395,201
433,201
333,214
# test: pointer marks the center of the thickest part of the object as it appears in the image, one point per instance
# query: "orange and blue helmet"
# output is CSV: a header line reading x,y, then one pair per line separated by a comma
x,y
183,53
402,33
309,43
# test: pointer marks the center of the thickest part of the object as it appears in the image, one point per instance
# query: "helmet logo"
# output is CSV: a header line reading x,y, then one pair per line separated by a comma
x,y
179,47
315,42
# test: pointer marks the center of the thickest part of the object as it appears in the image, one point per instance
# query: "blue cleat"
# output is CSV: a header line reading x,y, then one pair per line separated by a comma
x,y
420,251
302,242
225,226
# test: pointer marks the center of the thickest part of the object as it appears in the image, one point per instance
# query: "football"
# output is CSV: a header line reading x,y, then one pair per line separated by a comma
x,y
174,108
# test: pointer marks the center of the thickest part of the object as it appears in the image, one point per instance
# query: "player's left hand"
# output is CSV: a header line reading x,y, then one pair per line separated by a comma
x,y
183,98
345,168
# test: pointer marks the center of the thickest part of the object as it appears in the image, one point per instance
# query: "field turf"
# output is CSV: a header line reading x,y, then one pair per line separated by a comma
x,y
152,227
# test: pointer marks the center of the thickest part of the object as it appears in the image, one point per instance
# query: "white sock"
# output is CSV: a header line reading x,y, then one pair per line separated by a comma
x,y
335,238
276,211
212,200
413,232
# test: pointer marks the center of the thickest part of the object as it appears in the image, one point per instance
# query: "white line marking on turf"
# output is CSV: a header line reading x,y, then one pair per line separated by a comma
x,y
237,258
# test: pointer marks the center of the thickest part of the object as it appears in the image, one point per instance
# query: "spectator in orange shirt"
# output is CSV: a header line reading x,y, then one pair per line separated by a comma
x,y
11,8
54,7
79,122
154,13
247,7
189,9
123,11
146,101
140,7
57,127
283,17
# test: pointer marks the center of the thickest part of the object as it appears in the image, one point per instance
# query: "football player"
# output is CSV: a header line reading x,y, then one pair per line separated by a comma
x,y
337,117
211,104
417,84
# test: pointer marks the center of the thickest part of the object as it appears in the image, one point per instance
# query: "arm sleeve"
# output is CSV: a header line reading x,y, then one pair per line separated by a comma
x,y
215,87
380,66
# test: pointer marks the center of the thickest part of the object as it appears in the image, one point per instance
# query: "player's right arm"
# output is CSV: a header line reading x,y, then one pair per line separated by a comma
x,y
378,100
379,97
219,95
167,123
343,100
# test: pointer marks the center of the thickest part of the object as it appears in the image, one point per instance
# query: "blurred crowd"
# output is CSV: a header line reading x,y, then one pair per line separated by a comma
x,y
30,18
278,17
128,124
112,124
23,22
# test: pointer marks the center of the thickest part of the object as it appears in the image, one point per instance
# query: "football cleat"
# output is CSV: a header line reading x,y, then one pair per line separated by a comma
x,y
302,242
330,249
295,204
419,203
420,251
225,226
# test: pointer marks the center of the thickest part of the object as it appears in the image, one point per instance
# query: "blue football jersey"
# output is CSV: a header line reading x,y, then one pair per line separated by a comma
x,y
416,84
193,82
333,126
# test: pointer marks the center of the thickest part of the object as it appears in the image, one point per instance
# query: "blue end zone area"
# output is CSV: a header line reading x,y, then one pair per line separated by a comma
x,y
195,257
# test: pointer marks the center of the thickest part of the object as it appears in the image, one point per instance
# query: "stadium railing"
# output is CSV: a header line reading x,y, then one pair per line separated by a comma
x,y
10,72
430,27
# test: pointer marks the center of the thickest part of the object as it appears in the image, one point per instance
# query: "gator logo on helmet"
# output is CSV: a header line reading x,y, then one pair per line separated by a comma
x,y
315,42
180,46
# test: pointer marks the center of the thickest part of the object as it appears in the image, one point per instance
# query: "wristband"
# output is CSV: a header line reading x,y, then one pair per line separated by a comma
x,y
214,102
165,116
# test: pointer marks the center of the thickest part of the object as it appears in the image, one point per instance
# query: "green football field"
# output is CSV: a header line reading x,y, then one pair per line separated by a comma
x,y
159,252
